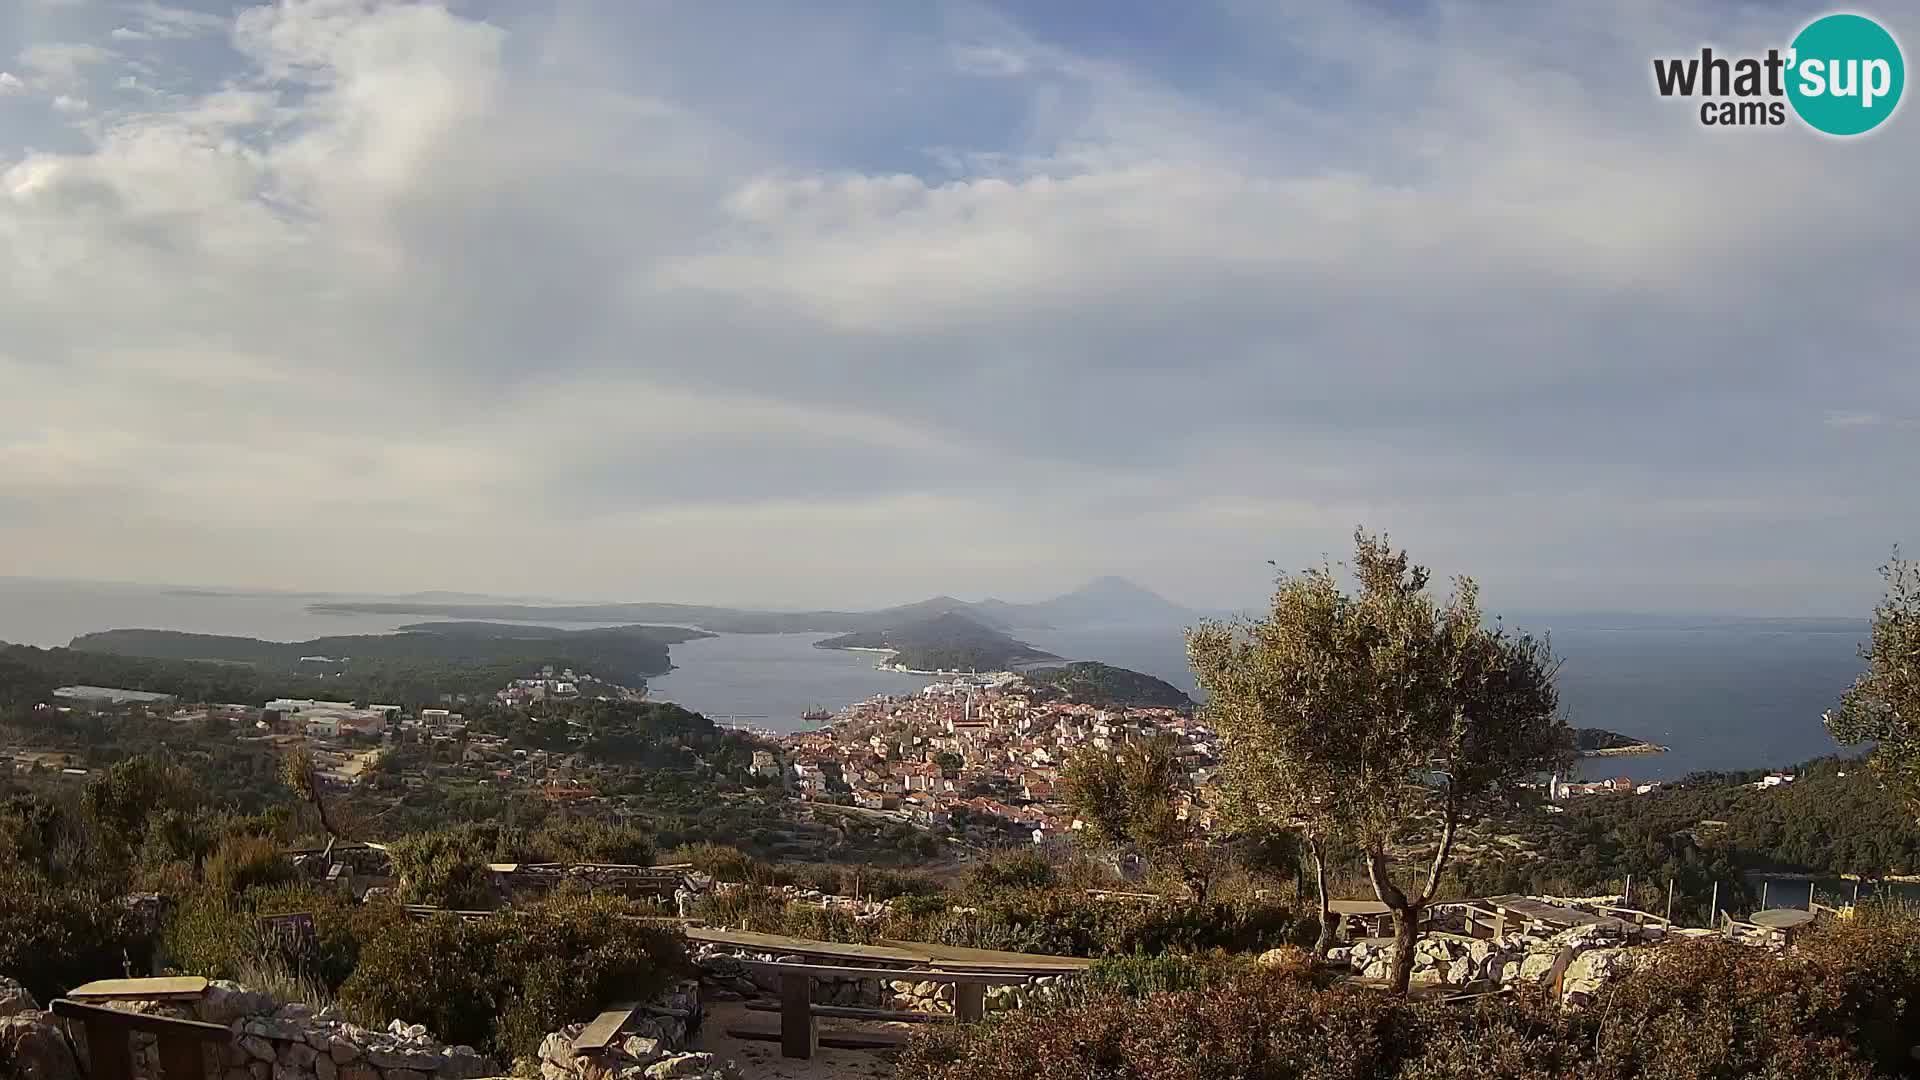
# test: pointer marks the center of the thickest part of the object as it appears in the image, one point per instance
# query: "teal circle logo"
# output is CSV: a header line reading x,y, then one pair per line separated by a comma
x,y
1846,74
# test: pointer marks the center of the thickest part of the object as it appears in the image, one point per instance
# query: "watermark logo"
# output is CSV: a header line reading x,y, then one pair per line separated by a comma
x,y
1842,75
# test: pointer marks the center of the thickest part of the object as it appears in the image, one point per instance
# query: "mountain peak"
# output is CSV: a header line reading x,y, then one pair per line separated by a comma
x,y
1111,599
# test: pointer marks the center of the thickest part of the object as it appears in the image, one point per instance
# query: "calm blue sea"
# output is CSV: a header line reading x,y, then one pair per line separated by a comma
x,y
1733,696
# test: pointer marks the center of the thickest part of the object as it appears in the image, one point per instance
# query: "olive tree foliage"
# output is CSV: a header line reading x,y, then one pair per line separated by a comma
x,y
1130,798
1377,717
301,773
1883,705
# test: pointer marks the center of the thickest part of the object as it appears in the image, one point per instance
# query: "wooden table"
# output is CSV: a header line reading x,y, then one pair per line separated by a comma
x,y
1785,920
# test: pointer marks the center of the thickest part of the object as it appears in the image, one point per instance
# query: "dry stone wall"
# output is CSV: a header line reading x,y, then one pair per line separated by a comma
x,y
725,976
270,1041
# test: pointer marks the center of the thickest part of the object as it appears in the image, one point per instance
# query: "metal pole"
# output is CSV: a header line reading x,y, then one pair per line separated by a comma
x,y
1763,896
1713,909
1628,899
1669,901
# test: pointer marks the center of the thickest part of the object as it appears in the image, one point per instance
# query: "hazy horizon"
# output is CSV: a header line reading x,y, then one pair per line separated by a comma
x,y
455,596
773,305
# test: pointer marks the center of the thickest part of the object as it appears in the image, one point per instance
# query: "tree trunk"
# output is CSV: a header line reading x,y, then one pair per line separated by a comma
x,y
1328,923
1406,934
1406,918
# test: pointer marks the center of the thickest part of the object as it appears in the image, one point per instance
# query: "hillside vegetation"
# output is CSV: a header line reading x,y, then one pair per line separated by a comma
x,y
1108,686
945,642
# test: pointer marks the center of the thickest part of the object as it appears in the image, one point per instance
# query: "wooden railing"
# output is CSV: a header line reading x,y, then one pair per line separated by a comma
x,y
180,1041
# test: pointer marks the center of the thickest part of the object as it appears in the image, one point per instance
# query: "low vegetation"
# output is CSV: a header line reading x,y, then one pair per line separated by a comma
x,y
1848,1006
501,982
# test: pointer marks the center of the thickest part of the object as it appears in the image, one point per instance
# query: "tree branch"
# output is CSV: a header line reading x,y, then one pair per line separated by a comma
x,y
1447,830
1383,886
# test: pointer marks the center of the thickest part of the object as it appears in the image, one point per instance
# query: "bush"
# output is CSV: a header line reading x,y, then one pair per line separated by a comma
x,y
445,869
723,863
245,862
1060,921
502,982
1845,1006
53,938
219,936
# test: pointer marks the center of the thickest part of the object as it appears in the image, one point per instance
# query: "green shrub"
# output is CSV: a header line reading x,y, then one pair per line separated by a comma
x,y
723,863
245,862
55,937
1060,921
588,842
1013,870
218,935
503,981
1138,976
445,869
1846,1007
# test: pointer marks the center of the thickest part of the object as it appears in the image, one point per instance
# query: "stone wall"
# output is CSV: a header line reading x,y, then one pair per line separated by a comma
x,y
651,1045
725,976
1597,953
270,1041
296,1041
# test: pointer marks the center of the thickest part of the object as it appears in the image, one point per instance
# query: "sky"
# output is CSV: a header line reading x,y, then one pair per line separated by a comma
x,y
849,303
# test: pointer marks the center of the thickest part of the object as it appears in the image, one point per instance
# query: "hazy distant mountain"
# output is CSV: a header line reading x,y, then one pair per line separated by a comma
x,y
1102,601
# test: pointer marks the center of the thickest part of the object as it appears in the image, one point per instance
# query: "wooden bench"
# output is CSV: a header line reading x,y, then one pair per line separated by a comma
x,y
180,1041
601,1029
799,1034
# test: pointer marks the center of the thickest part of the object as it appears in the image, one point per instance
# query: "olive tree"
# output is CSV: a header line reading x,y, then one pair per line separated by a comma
x,y
1883,705
1130,797
1378,717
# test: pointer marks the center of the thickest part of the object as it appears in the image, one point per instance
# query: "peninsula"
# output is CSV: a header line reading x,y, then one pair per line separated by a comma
x,y
1599,742
948,642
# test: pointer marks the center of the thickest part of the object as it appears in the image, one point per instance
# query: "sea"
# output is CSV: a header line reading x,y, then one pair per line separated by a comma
x,y
1722,695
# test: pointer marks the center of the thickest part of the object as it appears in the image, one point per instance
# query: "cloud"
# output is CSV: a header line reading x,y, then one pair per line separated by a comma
x,y
126,33
11,84
825,310
62,63
165,22
67,104
1854,419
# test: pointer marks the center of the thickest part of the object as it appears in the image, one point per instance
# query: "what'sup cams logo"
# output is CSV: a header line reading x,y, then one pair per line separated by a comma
x,y
1842,75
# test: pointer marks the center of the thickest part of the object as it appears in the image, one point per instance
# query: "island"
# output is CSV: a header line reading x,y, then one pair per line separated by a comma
x,y
948,642
1599,742
1091,683
481,652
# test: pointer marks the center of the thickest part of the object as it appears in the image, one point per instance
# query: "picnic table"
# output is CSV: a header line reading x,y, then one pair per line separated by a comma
x,y
1784,920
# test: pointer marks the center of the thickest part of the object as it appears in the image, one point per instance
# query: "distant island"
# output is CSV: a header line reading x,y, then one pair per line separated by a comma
x,y
1599,742
626,655
1092,683
1102,601
942,643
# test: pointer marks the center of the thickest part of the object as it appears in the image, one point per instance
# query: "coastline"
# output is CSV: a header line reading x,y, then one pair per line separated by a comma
x,y
1636,750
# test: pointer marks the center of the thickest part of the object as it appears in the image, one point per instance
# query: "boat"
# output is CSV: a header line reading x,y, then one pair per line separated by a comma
x,y
816,716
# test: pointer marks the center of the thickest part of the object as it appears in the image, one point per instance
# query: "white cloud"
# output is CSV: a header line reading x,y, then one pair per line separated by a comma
x,y
600,287
11,84
155,21
62,63
1849,419
68,104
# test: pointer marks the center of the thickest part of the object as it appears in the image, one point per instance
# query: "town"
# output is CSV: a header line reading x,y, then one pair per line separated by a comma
x,y
979,756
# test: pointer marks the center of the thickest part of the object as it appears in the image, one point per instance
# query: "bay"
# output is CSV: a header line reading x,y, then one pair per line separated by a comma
x,y
1724,694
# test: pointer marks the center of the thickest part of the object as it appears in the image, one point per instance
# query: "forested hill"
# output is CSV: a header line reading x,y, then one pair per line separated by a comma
x,y
624,654
409,668
947,642
1588,740
1094,683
